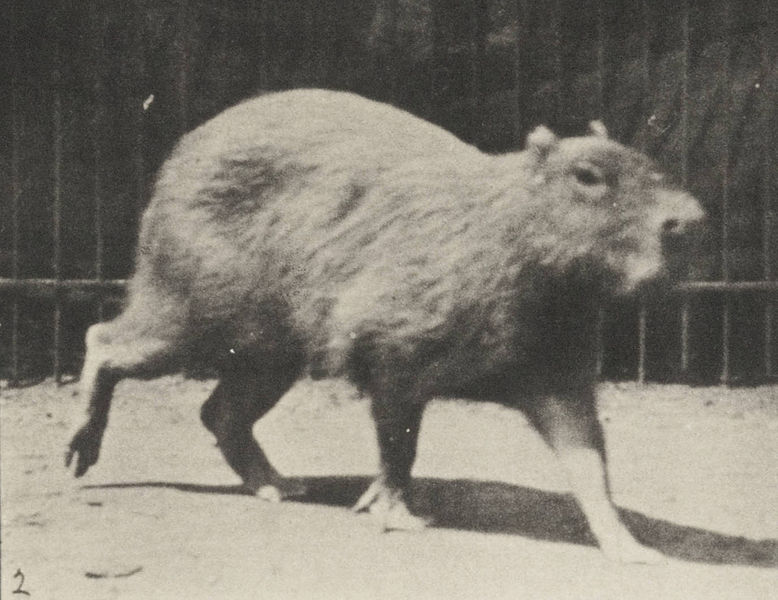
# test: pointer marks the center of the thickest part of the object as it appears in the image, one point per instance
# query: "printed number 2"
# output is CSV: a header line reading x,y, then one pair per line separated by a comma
x,y
19,589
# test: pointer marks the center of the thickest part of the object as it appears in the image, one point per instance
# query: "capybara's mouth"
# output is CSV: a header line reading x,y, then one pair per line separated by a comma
x,y
679,251
657,286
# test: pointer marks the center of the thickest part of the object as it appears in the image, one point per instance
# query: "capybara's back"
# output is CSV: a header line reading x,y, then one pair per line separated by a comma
x,y
317,231
273,214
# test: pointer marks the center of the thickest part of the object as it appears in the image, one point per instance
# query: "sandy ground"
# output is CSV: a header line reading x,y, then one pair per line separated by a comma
x,y
695,472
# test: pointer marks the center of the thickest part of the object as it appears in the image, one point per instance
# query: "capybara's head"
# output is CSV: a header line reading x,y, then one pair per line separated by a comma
x,y
612,208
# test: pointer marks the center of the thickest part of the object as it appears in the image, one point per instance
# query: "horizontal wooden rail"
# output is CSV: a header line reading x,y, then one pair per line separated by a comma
x,y
37,287
728,286
49,288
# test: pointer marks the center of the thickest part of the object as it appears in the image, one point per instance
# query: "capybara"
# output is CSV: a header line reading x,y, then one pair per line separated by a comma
x,y
318,232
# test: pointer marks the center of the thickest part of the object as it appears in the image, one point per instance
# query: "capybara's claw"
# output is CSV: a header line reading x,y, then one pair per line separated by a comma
x,y
86,446
82,466
269,493
399,518
368,497
395,516
281,489
388,509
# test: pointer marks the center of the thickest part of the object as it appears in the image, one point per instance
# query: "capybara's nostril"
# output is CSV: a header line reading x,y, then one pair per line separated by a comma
x,y
671,226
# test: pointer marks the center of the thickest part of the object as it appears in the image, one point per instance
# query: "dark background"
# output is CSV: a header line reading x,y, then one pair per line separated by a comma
x,y
694,84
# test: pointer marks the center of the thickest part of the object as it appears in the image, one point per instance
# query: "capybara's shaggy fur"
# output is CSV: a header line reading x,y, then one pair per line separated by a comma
x,y
317,231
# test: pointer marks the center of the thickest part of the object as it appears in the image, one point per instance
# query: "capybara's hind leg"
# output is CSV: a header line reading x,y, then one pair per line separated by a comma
x,y
569,423
114,350
237,402
397,425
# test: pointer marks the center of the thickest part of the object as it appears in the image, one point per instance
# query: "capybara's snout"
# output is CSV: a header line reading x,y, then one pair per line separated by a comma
x,y
681,212
683,227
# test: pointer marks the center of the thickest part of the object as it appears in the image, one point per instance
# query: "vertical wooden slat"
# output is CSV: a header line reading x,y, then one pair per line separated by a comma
x,y
684,116
601,67
260,14
601,110
599,356
331,36
645,81
140,107
274,24
98,210
183,49
684,133
478,19
767,43
769,323
56,88
386,57
395,52
645,55
726,328
685,322
16,192
520,58
437,58
57,226
98,132
685,335
726,318
313,32
223,23
642,350
559,75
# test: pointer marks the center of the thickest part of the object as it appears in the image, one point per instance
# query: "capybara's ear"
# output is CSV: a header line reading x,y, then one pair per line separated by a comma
x,y
541,140
598,129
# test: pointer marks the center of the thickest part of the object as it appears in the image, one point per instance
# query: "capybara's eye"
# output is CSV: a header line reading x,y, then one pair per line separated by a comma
x,y
588,175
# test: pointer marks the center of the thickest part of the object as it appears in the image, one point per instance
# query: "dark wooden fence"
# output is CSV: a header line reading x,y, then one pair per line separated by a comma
x,y
95,94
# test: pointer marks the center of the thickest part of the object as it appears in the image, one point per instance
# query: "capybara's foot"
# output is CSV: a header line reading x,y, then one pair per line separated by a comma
x,y
86,445
281,489
625,549
388,508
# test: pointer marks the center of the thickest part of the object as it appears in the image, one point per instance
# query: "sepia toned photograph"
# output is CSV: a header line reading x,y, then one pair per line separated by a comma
x,y
389,299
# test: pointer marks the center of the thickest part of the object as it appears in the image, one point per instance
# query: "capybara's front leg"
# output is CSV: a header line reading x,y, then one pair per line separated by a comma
x,y
569,423
397,425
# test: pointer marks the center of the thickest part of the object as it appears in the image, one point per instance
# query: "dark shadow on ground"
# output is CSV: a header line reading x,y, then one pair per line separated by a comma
x,y
495,507
232,490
